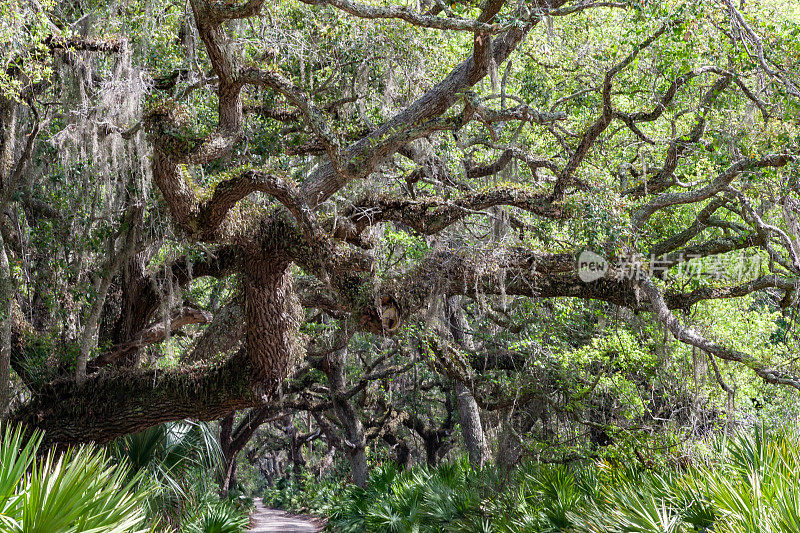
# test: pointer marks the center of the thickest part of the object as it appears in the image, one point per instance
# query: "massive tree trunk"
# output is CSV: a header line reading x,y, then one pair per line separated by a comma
x,y
469,414
272,320
108,405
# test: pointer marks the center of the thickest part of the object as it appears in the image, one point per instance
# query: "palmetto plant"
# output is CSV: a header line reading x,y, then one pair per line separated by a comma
x,y
179,462
168,451
757,489
218,518
79,491
748,483
421,499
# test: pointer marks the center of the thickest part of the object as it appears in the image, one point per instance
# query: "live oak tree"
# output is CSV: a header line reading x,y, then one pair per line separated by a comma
x,y
355,163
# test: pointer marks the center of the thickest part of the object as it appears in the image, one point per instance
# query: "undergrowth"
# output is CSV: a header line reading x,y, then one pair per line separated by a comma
x,y
747,483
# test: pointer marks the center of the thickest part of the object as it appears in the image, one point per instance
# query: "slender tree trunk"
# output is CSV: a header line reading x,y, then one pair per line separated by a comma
x,y
436,440
295,451
508,445
8,123
471,427
468,411
355,441
116,257
326,462
432,444
233,440
402,452
228,471
358,466
6,296
229,476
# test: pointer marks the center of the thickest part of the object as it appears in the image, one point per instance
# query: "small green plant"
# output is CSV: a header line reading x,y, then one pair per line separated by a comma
x,y
306,495
221,517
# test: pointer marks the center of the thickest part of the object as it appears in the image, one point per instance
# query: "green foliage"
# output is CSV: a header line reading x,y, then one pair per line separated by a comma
x,y
304,495
744,484
420,499
45,357
221,517
24,26
78,491
179,462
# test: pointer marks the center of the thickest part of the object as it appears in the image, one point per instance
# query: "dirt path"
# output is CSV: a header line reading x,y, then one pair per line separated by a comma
x,y
274,521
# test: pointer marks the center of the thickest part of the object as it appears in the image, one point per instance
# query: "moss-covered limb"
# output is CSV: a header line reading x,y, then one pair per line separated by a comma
x,y
110,404
58,42
685,300
432,215
525,273
239,184
720,183
507,155
411,16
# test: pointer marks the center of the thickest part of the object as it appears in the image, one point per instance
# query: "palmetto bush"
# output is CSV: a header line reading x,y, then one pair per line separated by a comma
x,y
306,495
77,491
749,483
219,517
180,462
421,499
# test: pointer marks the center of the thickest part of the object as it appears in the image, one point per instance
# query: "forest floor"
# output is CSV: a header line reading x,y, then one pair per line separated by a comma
x,y
275,521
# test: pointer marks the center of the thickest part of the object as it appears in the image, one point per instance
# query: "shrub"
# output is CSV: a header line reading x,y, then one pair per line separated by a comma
x,y
745,484
221,517
78,491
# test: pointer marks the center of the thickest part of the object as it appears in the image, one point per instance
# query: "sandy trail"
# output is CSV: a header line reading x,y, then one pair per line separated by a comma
x,y
275,521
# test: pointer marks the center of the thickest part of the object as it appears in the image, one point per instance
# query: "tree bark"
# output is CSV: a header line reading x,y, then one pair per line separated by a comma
x,y
355,441
228,470
6,299
469,414
109,405
471,427
272,319
8,124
